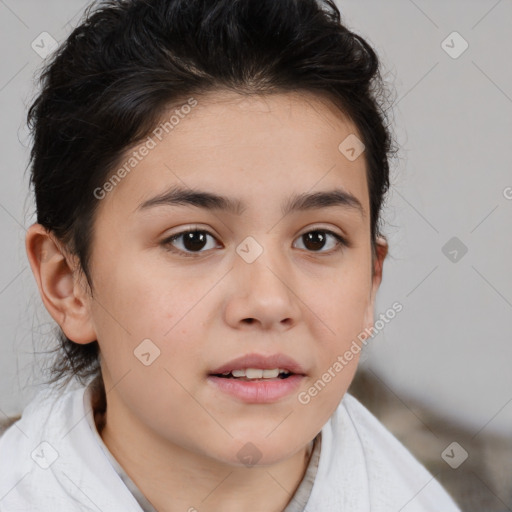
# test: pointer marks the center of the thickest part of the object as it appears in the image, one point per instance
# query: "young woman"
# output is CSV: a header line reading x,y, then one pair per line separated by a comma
x,y
208,178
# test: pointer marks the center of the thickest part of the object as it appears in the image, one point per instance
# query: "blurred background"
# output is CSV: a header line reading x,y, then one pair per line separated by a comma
x,y
437,374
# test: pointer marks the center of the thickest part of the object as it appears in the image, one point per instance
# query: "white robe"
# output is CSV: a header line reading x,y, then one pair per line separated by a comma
x,y
51,461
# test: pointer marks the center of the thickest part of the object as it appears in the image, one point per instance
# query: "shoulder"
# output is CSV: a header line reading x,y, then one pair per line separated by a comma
x,y
44,411
393,476
30,446
370,430
51,460
42,419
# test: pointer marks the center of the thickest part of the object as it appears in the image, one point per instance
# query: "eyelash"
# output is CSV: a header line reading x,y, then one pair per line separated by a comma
x,y
341,242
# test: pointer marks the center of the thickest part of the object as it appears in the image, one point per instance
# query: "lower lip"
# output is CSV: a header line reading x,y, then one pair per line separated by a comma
x,y
257,391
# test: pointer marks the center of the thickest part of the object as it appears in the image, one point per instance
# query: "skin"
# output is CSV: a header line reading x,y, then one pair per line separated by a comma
x,y
175,435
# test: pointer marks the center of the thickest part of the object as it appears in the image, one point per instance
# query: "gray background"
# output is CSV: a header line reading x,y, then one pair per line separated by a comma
x,y
450,347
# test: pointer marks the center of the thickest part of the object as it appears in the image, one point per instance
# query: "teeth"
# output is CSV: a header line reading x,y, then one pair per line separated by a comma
x,y
257,373
253,373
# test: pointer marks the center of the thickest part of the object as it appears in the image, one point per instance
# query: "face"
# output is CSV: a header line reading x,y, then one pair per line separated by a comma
x,y
267,273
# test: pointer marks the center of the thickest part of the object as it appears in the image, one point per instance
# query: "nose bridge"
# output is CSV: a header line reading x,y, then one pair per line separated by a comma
x,y
261,260
262,271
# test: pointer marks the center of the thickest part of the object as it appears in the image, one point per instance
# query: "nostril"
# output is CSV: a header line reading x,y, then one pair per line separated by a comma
x,y
249,320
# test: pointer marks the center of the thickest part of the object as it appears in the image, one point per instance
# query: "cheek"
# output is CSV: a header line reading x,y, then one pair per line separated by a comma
x,y
142,298
342,303
341,306
133,305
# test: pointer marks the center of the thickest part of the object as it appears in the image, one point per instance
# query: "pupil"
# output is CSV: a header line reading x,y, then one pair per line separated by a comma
x,y
316,238
194,241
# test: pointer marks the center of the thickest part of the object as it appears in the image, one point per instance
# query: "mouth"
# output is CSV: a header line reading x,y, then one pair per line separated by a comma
x,y
255,374
259,366
255,378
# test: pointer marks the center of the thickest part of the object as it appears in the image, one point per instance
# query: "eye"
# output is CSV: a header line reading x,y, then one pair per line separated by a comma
x,y
316,239
191,241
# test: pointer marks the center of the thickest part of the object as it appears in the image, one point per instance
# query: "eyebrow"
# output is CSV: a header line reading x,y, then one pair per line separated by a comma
x,y
177,196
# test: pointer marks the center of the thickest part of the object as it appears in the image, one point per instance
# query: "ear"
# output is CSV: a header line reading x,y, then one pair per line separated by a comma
x,y
381,250
60,284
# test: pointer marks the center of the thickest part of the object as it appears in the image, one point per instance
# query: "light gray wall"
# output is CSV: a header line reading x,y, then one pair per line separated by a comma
x,y
450,346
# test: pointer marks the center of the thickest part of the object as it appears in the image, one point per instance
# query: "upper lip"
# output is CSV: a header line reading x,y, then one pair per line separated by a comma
x,y
261,362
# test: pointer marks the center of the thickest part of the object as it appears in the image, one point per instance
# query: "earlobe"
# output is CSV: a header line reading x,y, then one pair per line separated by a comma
x,y
63,295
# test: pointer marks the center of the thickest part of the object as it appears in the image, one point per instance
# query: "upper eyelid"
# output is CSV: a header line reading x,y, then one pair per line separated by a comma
x,y
313,227
193,229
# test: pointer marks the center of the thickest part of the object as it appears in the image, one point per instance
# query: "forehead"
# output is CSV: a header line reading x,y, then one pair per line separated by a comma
x,y
252,148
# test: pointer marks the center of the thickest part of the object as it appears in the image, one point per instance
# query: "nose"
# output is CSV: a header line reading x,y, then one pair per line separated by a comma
x,y
262,295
